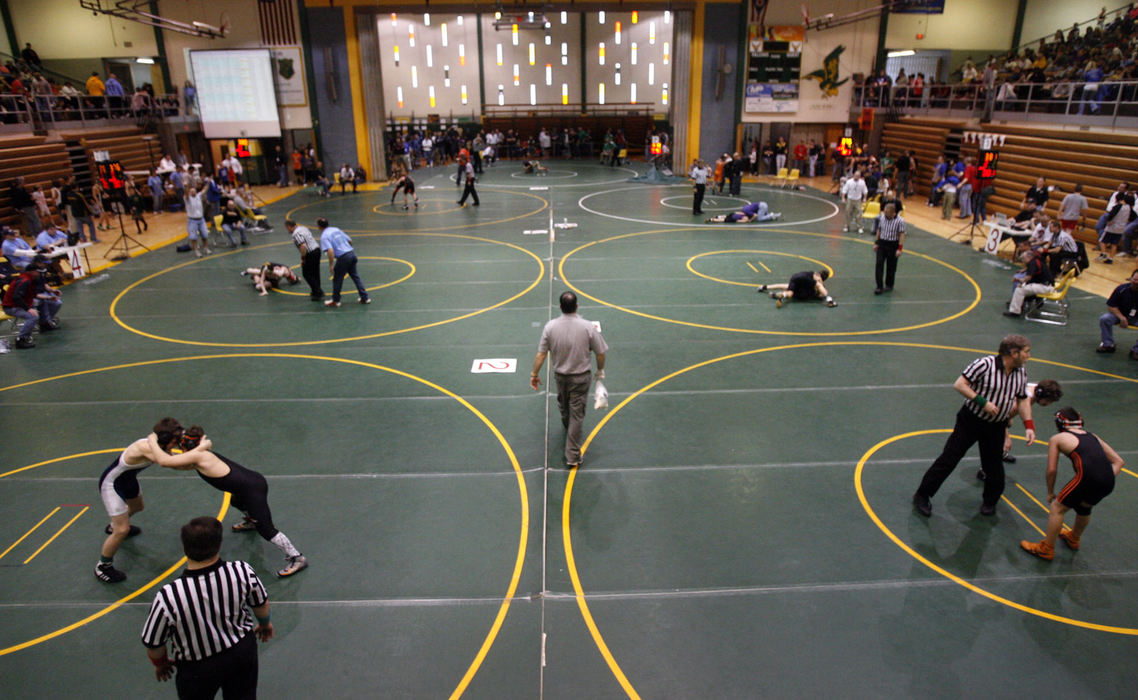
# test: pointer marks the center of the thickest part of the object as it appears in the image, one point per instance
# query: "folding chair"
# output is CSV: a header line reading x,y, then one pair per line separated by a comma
x,y
780,179
792,178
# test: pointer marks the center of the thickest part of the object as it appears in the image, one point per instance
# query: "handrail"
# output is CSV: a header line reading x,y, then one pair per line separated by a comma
x,y
1117,10
1108,98
41,111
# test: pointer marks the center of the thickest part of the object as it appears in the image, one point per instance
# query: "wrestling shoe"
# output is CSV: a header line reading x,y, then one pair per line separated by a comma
x,y
1070,540
333,304
1103,348
830,302
365,301
134,530
776,216
107,573
245,525
1040,549
295,565
761,289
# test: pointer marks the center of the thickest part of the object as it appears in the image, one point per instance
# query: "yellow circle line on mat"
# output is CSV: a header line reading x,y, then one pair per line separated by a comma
x,y
152,336
566,534
121,601
948,574
414,211
759,331
377,287
522,492
697,273
458,224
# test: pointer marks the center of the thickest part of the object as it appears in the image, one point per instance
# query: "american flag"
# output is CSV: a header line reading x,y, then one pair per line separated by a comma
x,y
277,25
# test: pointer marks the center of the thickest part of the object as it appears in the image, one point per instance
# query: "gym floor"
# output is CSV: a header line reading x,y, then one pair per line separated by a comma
x,y
741,525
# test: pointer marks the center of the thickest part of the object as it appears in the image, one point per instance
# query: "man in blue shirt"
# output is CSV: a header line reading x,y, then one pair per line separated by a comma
x,y
16,249
115,94
341,261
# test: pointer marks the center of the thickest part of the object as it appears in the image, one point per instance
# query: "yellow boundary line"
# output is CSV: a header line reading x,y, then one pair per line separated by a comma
x,y
57,534
578,588
299,343
697,273
760,331
125,599
376,288
29,532
523,495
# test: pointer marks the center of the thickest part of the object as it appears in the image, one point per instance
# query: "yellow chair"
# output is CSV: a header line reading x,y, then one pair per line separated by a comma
x,y
622,156
792,178
780,179
1052,307
871,210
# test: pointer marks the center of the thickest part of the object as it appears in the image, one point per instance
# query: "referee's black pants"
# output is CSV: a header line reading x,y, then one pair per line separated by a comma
x,y
886,267
970,430
310,269
233,672
697,201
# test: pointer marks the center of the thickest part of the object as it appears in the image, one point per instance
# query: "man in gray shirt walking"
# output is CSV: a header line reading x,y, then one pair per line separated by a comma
x,y
570,338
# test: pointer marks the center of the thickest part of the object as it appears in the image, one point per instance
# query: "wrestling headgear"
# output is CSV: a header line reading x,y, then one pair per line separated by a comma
x,y
1067,418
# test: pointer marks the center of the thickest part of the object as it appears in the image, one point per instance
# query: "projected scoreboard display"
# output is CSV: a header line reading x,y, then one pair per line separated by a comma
x,y
235,93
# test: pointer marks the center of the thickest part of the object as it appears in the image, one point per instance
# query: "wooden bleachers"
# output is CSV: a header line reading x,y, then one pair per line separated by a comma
x,y
926,141
1099,160
39,162
124,145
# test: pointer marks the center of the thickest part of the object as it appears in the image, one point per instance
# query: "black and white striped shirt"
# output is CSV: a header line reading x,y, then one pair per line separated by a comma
x,y
204,612
987,377
890,229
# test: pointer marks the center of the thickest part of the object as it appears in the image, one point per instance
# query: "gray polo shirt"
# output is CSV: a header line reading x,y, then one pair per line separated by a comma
x,y
569,339
1073,206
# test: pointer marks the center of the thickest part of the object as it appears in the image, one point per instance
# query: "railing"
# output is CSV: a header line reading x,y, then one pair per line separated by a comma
x,y
43,111
591,109
1113,99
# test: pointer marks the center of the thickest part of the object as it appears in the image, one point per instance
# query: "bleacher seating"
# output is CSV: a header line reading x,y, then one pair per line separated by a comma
x,y
1097,159
124,144
636,127
39,161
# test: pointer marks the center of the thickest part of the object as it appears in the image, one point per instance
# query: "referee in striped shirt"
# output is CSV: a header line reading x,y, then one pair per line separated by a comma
x,y
995,388
890,230
203,615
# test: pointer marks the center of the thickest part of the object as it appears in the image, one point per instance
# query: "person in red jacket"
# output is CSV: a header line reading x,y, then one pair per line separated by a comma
x,y
28,299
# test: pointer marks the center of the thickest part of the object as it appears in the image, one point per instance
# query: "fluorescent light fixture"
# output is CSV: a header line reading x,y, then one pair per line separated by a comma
x,y
899,54
148,61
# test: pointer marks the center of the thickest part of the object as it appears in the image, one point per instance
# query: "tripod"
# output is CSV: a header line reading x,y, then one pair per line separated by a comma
x,y
970,227
124,238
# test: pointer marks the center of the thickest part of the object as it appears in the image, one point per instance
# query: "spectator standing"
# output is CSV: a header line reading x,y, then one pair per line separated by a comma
x,y
211,636
115,94
854,192
23,202
1072,208
571,339
1122,310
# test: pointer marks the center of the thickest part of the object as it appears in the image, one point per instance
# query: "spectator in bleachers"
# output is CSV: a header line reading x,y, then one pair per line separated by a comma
x,y
96,89
1092,79
115,94
1037,195
166,165
30,56
189,98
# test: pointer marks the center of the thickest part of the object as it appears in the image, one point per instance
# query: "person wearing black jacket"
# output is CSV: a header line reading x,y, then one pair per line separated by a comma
x,y
1037,279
